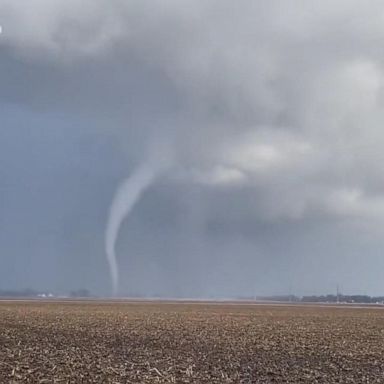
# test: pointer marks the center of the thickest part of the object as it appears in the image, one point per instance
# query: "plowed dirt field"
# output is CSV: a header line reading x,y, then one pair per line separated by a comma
x,y
114,342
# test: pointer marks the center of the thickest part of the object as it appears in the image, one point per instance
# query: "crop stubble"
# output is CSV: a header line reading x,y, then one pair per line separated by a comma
x,y
107,342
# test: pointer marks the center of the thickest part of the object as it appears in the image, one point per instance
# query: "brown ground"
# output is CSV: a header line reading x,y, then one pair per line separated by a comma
x,y
82,342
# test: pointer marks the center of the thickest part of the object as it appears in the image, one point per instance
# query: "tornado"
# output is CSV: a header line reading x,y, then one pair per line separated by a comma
x,y
127,195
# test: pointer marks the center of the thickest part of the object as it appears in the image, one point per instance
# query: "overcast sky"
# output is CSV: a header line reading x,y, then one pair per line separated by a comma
x,y
266,115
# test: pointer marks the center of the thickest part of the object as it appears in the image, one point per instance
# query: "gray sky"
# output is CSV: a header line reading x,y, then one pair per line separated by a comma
x,y
268,115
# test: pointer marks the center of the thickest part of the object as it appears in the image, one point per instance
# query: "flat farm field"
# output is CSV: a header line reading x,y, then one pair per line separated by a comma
x,y
117,342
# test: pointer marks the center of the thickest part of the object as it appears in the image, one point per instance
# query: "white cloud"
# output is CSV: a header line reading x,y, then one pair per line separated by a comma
x,y
269,95
221,176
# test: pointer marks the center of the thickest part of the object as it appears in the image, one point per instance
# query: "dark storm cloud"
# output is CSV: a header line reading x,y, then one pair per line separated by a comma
x,y
270,114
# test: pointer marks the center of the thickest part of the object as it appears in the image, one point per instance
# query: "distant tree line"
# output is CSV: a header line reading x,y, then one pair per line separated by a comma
x,y
19,293
80,293
31,293
85,293
362,299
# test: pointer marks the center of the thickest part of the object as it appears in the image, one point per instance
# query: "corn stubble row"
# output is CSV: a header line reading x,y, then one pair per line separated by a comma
x,y
189,343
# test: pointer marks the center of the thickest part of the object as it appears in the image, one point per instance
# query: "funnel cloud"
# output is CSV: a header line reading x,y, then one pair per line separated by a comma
x,y
127,195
